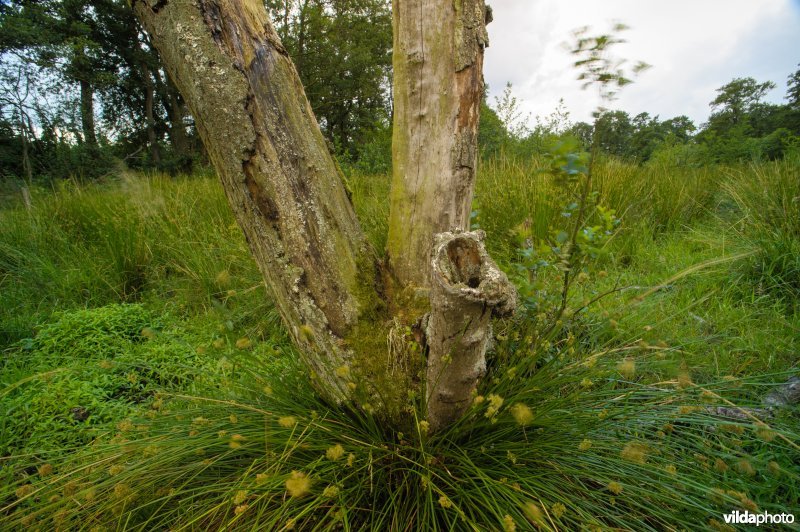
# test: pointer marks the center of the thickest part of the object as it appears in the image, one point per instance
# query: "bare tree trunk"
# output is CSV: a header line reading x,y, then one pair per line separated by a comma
x,y
176,114
87,115
149,116
177,126
26,158
468,289
26,164
286,194
438,87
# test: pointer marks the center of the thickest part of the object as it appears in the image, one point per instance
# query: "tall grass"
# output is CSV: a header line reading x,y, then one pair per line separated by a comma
x,y
176,239
550,443
169,239
650,199
370,195
605,425
768,200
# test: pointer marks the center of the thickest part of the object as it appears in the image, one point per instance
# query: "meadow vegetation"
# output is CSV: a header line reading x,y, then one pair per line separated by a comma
x,y
147,382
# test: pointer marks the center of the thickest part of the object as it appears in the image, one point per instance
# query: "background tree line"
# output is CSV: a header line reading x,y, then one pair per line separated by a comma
x,y
740,127
81,87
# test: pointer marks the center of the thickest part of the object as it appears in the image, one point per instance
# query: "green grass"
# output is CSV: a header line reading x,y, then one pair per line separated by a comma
x,y
170,240
147,382
261,453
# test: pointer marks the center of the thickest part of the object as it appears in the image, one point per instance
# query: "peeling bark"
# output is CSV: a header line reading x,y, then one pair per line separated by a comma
x,y
289,199
467,290
438,87
287,196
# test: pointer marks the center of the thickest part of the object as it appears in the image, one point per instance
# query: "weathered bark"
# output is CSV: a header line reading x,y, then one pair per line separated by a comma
x,y
289,199
264,142
467,290
438,86
87,114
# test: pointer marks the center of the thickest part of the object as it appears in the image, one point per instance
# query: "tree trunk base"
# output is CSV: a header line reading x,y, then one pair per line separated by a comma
x,y
467,289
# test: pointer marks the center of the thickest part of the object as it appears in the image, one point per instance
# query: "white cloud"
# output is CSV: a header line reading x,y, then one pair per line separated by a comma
x,y
694,46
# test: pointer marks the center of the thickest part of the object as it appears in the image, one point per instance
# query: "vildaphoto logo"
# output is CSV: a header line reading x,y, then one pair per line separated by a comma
x,y
765,518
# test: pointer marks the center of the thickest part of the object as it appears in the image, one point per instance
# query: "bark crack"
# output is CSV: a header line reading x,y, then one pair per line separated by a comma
x,y
266,147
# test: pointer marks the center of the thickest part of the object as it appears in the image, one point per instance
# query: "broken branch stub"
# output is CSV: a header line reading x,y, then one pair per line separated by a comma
x,y
467,289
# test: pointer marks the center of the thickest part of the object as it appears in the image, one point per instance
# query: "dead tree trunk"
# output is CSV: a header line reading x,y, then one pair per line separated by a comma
x,y
262,138
289,199
438,87
467,290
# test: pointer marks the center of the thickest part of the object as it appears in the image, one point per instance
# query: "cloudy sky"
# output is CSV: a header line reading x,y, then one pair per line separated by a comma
x,y
694,47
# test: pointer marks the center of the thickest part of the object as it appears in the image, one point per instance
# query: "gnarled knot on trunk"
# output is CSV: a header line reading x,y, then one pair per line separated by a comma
x,y
467,288
462,268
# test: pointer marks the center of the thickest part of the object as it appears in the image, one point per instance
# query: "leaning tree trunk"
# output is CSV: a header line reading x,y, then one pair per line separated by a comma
x,y
262,138
288,197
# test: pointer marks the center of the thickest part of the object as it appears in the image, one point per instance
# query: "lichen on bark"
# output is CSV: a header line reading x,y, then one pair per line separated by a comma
x,y
281,182
438,87
357,323
467,290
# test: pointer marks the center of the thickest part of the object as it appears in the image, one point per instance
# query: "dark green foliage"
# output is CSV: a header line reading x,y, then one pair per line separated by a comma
x,y
80,53
95,62
342,51
793,90
10,151
741,127
735,100
614,131
374,154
